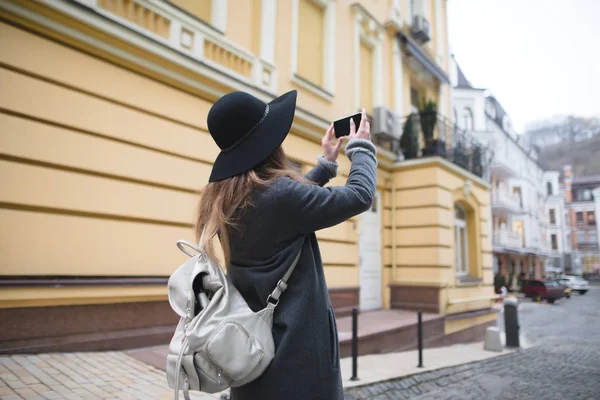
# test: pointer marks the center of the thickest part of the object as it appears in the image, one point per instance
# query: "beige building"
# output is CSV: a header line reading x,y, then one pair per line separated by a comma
x,y
104,149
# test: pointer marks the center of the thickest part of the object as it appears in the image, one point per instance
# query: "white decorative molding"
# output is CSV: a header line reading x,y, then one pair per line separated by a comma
x,y
328,89
371,33
218,14
398,78
468,186
439,33
185,34
268,22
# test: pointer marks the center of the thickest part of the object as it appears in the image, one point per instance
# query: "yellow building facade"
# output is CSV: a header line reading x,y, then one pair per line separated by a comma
x,y
104,150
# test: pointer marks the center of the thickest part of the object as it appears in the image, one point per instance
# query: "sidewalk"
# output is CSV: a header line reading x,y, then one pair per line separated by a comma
x,y
115,375
380,367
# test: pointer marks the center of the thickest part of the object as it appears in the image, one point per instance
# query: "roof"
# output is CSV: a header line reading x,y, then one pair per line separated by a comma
x,y
500,113
415,50
462,79
587,179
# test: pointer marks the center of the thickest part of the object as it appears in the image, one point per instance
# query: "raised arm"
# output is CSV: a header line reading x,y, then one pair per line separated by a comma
x,y
313,207
327,166
309,208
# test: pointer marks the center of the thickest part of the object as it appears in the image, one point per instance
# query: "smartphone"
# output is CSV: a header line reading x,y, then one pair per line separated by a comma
x,y
342,126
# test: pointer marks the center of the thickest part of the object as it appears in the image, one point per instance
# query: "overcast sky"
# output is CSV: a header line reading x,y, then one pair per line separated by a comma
x,y
540,58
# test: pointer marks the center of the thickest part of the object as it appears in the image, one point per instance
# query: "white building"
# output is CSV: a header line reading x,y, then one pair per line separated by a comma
x,y
581,196
522,233
557,219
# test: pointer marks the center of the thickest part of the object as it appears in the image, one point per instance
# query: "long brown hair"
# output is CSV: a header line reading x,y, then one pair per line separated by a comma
x,y
219,197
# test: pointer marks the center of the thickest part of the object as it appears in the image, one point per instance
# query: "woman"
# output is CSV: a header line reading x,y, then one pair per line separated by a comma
x,y
264,213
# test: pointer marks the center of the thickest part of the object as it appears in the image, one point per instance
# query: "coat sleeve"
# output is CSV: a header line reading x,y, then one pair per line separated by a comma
x,y
309,208
323,172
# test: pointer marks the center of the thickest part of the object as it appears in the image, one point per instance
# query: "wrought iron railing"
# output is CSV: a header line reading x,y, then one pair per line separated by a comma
x,y
587,246
431,134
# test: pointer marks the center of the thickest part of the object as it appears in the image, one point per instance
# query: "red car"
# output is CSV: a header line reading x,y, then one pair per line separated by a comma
x,y
538,289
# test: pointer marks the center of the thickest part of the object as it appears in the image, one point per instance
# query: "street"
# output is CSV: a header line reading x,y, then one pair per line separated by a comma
x,y
563,363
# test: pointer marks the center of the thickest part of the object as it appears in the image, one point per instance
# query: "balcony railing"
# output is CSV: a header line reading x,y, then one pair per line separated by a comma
x,y
507,200
508,238
430,134
587,246
174,28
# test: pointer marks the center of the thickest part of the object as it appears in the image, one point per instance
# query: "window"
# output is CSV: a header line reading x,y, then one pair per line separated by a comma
x,y
461,239
549,188
368,60
580,237
554,241
313,47
414,98
468,119
584,195
593,237
366,77
579,215
311,21
517,191
591,218
552,216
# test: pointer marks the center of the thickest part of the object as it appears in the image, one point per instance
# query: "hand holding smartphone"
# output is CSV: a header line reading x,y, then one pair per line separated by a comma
x,y
342,126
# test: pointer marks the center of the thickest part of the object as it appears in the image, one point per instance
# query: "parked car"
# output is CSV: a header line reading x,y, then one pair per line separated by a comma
x,y
566,288
576,283
537,290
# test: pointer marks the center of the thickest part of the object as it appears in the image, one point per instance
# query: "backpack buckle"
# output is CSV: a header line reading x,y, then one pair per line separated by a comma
x,y
272,300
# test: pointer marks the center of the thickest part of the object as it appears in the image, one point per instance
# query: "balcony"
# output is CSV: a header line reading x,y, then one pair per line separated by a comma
x,y
510,239
502,169
587,246
430,134
175,29
506,203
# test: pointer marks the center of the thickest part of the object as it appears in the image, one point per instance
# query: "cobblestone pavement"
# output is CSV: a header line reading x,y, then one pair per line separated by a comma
x,y
105,375
564,362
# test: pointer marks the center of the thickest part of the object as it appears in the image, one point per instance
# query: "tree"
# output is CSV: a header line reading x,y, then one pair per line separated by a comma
x,y
569,129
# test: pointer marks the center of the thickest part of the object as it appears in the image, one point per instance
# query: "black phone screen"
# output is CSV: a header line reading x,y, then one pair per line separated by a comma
x,y
342,126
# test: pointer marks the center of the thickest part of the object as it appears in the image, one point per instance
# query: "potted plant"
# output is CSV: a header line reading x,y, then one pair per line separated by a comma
x,y
461,158
428,118
410,141
499,281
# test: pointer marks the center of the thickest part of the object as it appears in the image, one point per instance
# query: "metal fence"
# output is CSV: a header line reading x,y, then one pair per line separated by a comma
x,y
431,134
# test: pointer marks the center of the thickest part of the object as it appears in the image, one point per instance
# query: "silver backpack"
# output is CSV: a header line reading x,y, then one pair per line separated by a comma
x,y
219,341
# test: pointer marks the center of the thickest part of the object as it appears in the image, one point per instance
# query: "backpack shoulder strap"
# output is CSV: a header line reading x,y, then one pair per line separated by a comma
x,y
273,298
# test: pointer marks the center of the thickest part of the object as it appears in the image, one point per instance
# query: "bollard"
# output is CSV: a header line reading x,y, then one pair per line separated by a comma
x,y
511,322
354,344
420,338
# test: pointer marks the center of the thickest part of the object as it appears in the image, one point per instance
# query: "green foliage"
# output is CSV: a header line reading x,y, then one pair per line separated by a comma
x,y
427,106
428,116
410,141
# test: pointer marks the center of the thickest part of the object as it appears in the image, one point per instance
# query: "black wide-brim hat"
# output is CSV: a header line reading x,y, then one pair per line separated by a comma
x,y
247,130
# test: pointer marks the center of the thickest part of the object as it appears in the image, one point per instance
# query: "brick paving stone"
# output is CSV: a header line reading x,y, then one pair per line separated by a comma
x,y
11,397
16,384
563,364
8,377
25,392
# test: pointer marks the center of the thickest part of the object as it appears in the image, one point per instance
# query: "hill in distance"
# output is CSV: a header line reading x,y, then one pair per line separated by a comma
x,y
584,156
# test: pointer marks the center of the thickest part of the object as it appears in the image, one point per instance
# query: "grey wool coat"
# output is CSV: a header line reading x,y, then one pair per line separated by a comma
x,y
284,217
